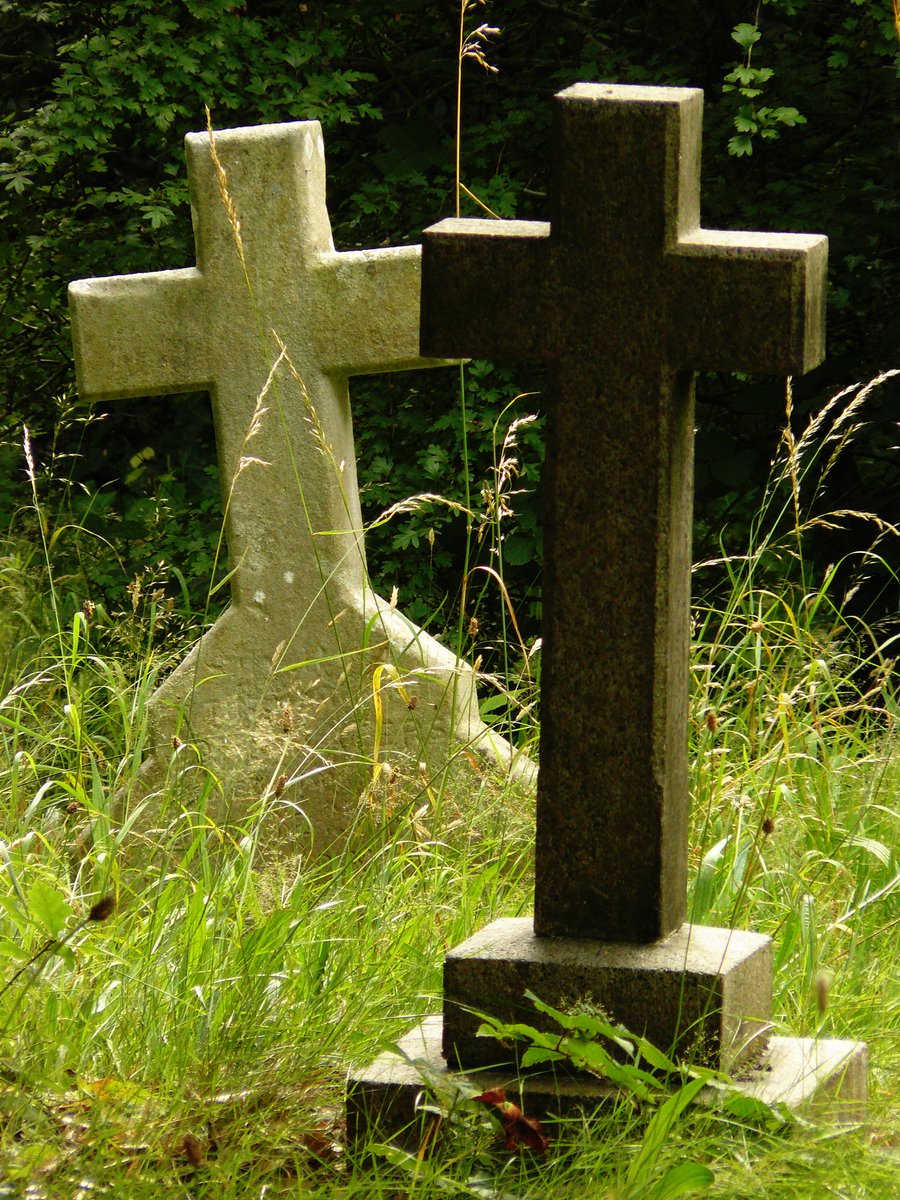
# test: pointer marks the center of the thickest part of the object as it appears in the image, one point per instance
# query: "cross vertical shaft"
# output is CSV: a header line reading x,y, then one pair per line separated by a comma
x,y
611,843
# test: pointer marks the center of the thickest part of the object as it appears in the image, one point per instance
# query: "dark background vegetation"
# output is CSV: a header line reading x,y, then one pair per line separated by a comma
x,y
95,99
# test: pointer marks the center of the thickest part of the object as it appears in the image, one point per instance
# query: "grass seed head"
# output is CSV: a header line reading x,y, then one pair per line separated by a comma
x,y
102,909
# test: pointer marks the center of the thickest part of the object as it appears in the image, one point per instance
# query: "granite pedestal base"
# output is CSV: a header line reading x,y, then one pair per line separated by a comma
x,y
825,1079
703,993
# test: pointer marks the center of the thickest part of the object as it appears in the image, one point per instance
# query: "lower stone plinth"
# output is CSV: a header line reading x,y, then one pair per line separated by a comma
x,y
825,1079
705,993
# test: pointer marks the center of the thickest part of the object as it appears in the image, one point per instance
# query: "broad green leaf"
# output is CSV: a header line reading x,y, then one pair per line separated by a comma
x,y
740,145
48,907
745,35
536,1055
745,76
588,1054
10,949
788,116
518,1033
653,1056
682,1180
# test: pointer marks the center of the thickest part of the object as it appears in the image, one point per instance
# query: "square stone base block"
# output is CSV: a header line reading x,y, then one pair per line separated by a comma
x,y
704,993
825,1079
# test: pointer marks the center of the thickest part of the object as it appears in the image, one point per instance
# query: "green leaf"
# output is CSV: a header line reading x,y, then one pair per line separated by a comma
x,y
740,144
681,1181
787,116
745,35
13,950
654,1057
538,1054
745,77
48,907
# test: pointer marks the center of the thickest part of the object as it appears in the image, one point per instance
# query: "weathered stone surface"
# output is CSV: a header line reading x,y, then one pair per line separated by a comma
x,y
278,696
625,295
704,993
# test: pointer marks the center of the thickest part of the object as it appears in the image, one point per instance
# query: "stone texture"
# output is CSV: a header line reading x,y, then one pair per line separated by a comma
x,y
278,695
704,993
823,1079
625,295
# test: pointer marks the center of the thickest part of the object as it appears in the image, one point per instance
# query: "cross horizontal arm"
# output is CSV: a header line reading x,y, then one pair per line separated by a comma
x,y
750,302
366,304
139,335
484,289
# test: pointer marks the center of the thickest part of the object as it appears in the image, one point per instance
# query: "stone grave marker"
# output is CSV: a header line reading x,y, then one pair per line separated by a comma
x,y
625,295
277,697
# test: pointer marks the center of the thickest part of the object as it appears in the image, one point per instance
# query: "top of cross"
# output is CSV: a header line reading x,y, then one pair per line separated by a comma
x,y
624,249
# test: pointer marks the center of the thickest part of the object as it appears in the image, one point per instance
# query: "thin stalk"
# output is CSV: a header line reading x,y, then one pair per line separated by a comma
x,y
458,138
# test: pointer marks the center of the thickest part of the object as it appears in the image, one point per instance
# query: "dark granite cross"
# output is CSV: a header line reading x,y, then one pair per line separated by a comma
x,y
625,295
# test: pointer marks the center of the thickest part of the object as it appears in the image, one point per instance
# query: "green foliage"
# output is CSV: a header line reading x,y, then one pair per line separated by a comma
x,y
48,908
92,173
581,1044
115,544
752,120
276,975
506,532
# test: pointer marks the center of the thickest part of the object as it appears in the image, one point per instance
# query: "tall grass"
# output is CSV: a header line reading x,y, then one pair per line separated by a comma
x,y
195,1041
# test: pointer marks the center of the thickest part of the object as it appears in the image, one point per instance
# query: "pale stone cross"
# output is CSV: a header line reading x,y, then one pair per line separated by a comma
x,y
626,296
299,593
210,328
